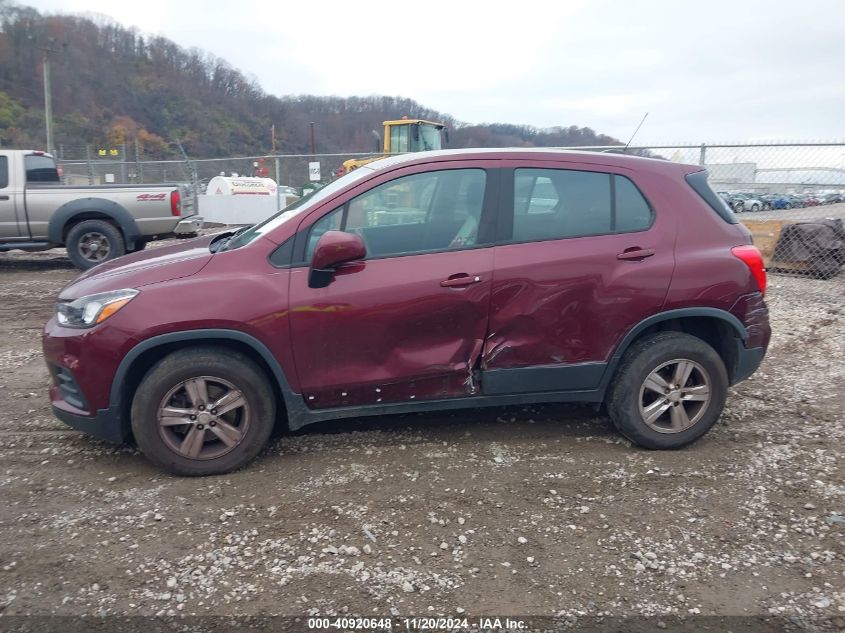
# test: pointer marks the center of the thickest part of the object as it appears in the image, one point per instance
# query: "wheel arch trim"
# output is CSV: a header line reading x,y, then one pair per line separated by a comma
x,y
108,208
115,395
679,313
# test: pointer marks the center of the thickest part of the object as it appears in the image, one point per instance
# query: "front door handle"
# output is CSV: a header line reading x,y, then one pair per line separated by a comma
x,y
636,253
462,279
4,197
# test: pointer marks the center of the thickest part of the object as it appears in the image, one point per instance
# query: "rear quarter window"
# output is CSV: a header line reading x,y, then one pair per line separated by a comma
x,y
4,172
698,181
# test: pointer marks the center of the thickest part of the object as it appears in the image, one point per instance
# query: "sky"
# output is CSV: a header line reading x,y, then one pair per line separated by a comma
x,y
715,71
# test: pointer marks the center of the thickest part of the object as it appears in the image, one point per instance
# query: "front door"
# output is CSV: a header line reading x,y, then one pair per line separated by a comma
x,y
8,217
408,322
582,258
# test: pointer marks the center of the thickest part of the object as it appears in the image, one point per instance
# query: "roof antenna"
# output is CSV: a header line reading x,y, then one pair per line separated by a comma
x,y
625,149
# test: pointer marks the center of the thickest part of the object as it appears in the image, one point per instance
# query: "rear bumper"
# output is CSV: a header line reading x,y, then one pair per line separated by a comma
x,y
105,425
189,226
747,361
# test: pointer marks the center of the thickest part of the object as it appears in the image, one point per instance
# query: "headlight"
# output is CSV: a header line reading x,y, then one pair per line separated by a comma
x,y
93,309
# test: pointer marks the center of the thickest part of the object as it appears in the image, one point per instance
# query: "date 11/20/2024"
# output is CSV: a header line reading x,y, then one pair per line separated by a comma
x,y
416,623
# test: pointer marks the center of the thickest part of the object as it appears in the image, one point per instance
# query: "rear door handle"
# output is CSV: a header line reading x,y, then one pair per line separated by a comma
x,y
636,253
462,279
4,197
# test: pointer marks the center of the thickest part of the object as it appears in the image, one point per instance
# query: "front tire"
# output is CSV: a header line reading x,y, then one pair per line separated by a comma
x,y
93,242
668,391
755,207
203,411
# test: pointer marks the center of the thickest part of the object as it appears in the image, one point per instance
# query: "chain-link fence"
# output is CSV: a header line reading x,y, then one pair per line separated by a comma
x,y
791,196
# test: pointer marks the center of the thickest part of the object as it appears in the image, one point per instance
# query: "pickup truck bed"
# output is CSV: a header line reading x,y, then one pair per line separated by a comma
x,y
95,223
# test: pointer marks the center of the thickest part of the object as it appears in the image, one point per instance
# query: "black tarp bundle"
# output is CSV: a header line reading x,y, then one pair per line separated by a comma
x,y
819,244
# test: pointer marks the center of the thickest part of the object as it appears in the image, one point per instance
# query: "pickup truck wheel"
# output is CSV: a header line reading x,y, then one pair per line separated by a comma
x,y
669,390
93,242
203,411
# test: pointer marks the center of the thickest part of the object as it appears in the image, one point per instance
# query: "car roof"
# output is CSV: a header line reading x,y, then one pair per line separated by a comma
x,y
605,158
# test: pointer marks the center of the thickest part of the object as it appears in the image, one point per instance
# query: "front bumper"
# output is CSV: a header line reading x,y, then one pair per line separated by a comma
x,y
82,365
189,226
106,424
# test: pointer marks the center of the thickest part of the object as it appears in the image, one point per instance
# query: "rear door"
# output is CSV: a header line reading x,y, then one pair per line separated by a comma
x,y
408,322
582,256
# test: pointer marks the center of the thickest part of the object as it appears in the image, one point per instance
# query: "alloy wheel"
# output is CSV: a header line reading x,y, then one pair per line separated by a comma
x,y
674,397
203,417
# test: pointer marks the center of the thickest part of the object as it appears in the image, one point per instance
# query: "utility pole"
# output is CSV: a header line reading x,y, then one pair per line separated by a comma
x,y
48,105
313,144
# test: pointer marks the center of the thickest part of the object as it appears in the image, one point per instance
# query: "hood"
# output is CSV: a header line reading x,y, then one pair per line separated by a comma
x,y
151,266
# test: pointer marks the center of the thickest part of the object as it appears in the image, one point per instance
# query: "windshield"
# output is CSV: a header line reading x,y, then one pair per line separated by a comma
x,y
297,208
428,138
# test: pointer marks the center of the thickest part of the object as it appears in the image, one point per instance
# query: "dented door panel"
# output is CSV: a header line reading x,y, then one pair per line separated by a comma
x,y
387,331
569,301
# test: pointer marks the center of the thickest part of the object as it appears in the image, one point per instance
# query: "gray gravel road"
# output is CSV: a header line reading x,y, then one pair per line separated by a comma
x,y
521,511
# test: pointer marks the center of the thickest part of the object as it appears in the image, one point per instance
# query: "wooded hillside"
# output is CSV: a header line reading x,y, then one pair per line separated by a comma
x,y
112,85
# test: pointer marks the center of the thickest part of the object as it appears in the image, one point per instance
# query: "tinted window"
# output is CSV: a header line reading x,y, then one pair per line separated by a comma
x,y
632,210
559,203
40,169
4,172
420,213
555,203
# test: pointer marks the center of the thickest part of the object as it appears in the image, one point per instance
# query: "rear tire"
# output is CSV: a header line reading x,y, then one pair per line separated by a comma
x,y
93,242
684,414
203,411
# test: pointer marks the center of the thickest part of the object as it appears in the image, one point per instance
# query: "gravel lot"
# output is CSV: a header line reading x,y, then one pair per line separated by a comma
x,y
519,511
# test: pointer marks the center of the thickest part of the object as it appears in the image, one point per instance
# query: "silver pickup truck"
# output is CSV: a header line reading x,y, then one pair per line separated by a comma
x,y
94,223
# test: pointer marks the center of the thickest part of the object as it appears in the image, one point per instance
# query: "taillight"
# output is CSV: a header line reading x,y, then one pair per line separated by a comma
x,y
175,202
754,260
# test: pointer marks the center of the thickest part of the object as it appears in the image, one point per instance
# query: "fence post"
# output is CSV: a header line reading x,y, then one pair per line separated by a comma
x,y
90,166
702,156
123,163
139,174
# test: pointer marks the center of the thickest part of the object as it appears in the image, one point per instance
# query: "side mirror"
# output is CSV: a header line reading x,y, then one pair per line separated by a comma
x,y
333,249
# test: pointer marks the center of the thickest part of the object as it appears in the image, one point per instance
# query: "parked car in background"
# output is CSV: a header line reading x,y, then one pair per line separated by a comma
x,y
749,202
833,198
811,200
423,282
777,201
94,223
796,202
734,201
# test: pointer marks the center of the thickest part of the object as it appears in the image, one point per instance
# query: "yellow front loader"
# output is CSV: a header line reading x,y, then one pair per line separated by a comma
x,y
401,136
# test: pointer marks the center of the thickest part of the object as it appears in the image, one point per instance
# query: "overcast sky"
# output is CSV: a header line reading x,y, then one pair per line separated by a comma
x,y
719,70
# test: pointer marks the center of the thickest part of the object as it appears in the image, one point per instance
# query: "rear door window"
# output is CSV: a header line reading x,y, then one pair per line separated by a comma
x,y
40,169
552,204
4,172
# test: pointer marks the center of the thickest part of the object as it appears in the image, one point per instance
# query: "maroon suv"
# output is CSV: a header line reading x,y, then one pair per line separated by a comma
x,y
423,282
